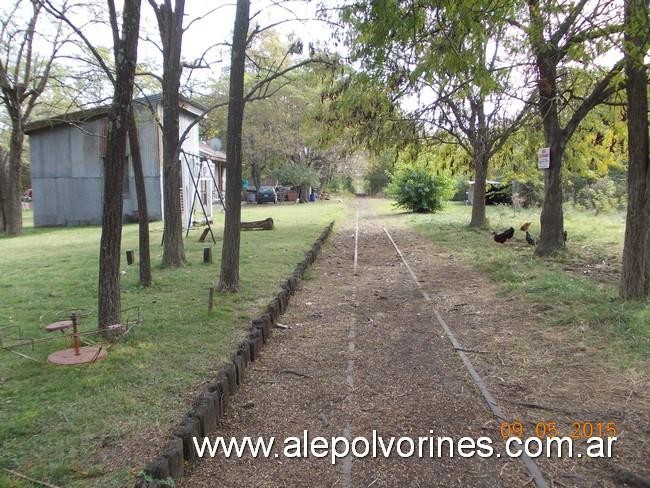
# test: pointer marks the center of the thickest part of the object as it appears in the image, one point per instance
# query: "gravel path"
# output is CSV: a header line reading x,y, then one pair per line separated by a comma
x,y
364,352
361,354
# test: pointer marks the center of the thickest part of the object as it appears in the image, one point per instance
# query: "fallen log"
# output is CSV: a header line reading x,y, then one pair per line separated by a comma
x,y
266,224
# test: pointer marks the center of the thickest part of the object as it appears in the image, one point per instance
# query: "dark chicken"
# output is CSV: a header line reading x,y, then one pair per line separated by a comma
x,y
502,237
529,239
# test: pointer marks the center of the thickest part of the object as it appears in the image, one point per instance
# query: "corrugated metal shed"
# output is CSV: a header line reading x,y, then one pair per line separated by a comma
x,y
66,155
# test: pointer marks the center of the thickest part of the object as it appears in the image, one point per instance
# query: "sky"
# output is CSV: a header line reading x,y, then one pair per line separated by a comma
x,y
209,25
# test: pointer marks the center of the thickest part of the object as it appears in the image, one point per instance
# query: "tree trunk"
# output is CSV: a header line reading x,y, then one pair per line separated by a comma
x,y
478,202
551,237
170,24
3,226
647,238
109,306
256,176
143,212
229,277
13,207
173,248
3,185
635,275
304,194
110,243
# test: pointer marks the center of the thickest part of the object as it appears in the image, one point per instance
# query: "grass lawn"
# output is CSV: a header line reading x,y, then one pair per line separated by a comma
x,y
54,421
579,286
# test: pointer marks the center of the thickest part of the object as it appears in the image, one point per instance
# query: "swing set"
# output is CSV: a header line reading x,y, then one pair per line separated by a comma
x,y
200,164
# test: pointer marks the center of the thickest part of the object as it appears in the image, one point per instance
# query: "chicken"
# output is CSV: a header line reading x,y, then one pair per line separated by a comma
x,y
502,237
565,235
525,227
529,239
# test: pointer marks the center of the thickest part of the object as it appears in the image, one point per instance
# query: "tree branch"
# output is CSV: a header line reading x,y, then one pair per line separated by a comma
x,y
601,91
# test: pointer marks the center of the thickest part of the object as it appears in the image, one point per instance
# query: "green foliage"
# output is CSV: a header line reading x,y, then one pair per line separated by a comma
x,y
601,195
376,179
460,188
284,120
599,144
296,174
340,183
417,189
360,111
377,175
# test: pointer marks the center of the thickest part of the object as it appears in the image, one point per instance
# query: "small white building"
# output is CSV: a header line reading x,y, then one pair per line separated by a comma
x,y
470,192
66,155
218,160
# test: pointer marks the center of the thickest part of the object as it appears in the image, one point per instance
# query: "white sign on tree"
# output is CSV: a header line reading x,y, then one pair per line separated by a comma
x,y
544,158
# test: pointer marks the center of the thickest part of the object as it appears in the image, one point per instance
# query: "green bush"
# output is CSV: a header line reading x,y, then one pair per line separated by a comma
x,y
417,189
297,175
377,176
601,195
460,188
340,183
375,179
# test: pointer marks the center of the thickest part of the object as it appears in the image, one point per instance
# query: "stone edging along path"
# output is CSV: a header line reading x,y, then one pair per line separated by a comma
x,y
210,405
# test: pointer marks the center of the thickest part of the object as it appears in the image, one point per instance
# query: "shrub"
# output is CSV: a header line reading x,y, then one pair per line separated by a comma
x,y
376,179
340,183
416,189
461,186
601,195
297,175
377,175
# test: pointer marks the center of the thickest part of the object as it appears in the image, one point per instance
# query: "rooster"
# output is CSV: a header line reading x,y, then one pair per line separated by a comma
x,y
502,237
525,227
529,239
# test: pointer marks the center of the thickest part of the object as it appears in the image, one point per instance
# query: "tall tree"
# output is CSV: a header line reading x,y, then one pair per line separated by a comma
x,y
279,127
125,53
170,25
560,33
24,75
4,159
635,276
262,88
454,54
99,67
229,276
144,262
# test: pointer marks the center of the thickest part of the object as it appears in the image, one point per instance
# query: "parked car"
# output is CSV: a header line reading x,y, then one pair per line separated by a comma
x,y
267,194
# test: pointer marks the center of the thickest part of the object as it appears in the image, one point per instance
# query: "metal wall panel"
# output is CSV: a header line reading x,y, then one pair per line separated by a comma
x,y
67,170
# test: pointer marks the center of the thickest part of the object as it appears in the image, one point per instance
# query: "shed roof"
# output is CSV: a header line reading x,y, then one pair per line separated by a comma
x,y
80,116
489,182
206,151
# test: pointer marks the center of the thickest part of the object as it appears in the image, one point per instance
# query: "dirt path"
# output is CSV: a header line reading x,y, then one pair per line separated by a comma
x,y
364,352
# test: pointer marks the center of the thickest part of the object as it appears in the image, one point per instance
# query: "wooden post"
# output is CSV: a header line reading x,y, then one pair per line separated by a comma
x,y
207,255
210,299
129,256
204,234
